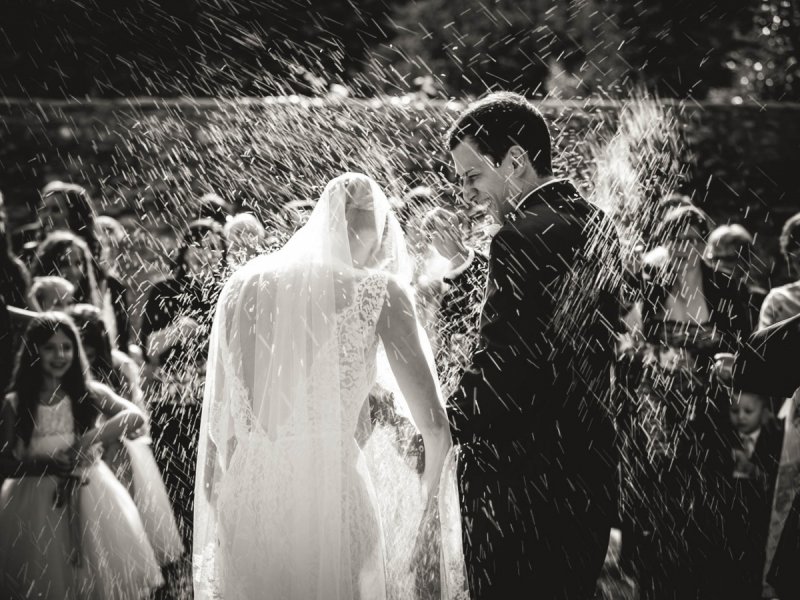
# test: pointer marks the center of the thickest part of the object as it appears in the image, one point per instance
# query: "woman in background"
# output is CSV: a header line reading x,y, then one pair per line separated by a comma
x,y
175,327
675,460
67,206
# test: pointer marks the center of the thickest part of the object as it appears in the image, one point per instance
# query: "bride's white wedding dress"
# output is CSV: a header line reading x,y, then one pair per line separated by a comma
x,y
285,507
290,536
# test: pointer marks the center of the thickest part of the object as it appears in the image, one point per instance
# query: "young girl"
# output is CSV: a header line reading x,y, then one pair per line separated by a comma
x,y
70,529
131,461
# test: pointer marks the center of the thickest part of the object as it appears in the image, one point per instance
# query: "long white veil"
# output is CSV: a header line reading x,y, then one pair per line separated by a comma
x,y
275,501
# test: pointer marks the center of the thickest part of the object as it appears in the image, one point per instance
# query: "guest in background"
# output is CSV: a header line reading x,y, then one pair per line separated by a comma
x,y
175,327
15,280
69,528
109,366
63,254
756,439
112,235
24,241
410,212
780,312
53,293
246,238
675,462
215,207
657,256
131,461
189,295
730,249
67,206
783,301
768,364
295,214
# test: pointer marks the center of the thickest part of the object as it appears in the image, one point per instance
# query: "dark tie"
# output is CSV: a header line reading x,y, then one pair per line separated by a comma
x,y
749,445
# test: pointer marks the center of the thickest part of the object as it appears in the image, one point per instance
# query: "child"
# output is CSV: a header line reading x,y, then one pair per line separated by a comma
x,y
756,448
65,254
245,235
131,461
70,529
53,293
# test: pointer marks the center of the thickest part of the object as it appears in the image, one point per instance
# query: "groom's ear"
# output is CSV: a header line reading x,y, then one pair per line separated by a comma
x,y
519,159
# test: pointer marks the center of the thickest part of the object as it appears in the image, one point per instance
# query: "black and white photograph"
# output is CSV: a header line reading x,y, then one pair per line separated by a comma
x,y
399,300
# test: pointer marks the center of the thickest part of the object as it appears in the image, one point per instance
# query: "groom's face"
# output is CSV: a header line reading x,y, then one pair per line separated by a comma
x,y
483,184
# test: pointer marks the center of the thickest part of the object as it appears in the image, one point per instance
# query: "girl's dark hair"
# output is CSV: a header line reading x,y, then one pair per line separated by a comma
x,y
195,234
80,212
89,322
27,379
54,246
679,220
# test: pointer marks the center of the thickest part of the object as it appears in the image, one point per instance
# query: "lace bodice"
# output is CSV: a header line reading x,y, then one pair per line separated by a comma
x,y
347,361
54,429
358,342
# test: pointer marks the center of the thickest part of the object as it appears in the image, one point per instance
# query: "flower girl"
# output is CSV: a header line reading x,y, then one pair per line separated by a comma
x,y
131,460
70,529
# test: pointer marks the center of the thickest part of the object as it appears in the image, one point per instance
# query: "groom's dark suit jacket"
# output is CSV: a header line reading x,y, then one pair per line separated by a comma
x,y
537,465
769,362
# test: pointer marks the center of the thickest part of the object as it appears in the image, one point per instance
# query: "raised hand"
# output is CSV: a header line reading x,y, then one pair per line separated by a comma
x,y
723,367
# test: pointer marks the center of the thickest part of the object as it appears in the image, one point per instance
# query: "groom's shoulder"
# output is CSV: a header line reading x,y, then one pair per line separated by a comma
x,y
546,220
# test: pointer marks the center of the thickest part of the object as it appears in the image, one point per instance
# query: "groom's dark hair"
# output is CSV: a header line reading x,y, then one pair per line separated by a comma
x,y
501,120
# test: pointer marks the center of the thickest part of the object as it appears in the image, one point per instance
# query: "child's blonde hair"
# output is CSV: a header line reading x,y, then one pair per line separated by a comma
x,y
51,285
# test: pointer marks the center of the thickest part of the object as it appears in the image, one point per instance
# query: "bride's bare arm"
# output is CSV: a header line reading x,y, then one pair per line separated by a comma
x,y
399,330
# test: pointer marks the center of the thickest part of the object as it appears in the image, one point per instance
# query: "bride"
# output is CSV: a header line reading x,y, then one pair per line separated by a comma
x,y
285,506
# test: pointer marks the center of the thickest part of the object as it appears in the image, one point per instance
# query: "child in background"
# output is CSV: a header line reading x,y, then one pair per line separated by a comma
x,y
756,448
65,254
131,460
53,293
70,529
246,238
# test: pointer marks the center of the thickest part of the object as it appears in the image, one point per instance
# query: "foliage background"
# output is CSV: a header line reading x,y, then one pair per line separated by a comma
x,y
677,48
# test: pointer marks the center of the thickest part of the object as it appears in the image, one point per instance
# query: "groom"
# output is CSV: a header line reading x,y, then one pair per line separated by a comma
x,y
537,468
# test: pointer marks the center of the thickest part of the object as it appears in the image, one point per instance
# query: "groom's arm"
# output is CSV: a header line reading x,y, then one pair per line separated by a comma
x,y
496,392
767,362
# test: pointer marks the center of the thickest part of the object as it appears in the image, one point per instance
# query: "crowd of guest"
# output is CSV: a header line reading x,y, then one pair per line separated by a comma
x,y
108,413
